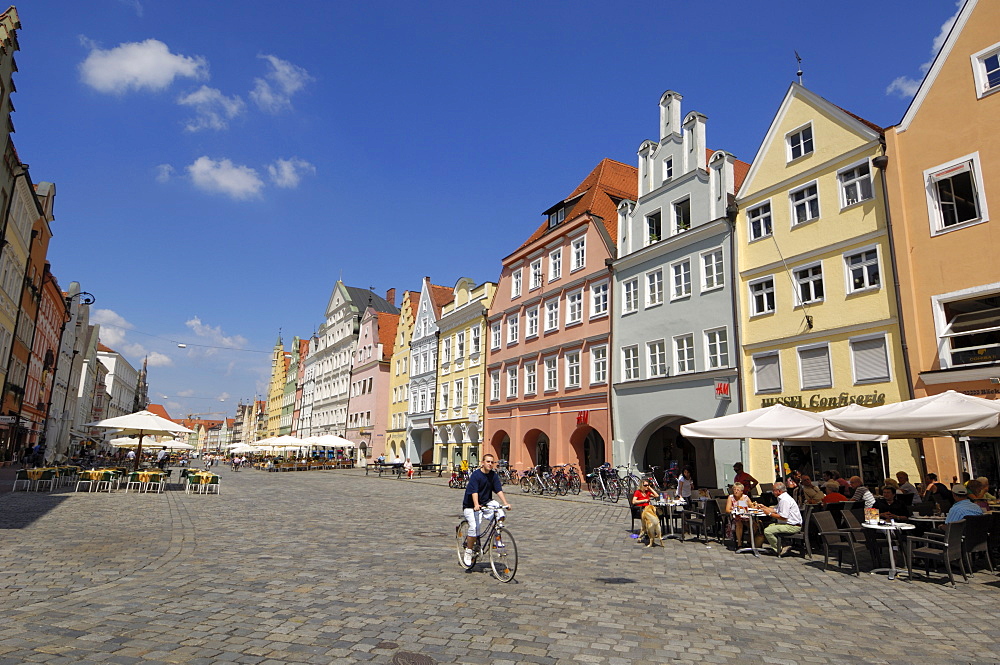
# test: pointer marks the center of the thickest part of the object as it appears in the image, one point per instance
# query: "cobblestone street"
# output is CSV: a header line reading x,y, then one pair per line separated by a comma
x,y
334,566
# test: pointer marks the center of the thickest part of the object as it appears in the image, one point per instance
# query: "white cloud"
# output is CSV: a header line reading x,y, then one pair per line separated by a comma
x,y
113,326
288,172
157,359
224,177
138,65
164,172
223,397
213,110
134,4
185,393
214,335
906,87
134,350
273,92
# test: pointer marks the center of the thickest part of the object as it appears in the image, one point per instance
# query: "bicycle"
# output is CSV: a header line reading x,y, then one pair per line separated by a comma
x,y
502,550
604,484
458,479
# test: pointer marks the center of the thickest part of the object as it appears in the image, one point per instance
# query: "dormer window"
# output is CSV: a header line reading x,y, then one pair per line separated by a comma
x,y
800,143
556,217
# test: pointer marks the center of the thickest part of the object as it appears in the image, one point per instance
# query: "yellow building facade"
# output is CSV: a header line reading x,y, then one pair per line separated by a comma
x,y
458,418
399,378
280,360
817,306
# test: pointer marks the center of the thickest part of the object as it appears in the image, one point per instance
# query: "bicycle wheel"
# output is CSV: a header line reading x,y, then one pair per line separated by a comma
x,y
525,484
632,484
503,555
594,486
536,485
461,531
562,488
574,485
614,490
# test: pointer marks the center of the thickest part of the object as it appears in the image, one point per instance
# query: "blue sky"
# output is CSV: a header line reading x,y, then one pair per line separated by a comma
x,y
220,164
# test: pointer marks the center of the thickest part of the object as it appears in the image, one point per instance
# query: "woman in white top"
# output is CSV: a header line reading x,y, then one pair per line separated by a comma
x,y
684,485
737,506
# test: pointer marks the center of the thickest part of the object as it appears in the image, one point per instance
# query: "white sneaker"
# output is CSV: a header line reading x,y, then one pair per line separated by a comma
x,y
467,558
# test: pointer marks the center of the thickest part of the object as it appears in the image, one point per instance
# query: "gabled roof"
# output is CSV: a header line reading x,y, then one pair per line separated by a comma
x,y
440,296
105,349
387,324
364,298
599,194
158,410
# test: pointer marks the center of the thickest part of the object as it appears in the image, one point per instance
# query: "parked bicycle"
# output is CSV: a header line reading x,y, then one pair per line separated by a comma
x,y
604,483
493,540
458,479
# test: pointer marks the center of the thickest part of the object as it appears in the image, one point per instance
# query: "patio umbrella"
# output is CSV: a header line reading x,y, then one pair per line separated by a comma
x,y
141,423
949,413
772,422
330,441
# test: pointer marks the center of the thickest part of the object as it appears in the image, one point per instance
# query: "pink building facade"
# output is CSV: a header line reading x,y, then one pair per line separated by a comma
x,y
368,403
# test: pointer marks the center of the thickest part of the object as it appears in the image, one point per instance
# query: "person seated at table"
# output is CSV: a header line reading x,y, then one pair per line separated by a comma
x,y
963,507
904,484
986,488
833,494
890,506
408,467
792,488
788,519
810,492
977,494
685,484
937,492
737,506
743,478
844,484
861,493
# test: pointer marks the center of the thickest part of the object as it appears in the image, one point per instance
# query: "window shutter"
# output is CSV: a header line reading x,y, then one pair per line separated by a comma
x,y
815,365
871,362
768,373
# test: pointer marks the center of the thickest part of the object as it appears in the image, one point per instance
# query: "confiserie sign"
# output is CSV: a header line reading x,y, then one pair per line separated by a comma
x,y
817,401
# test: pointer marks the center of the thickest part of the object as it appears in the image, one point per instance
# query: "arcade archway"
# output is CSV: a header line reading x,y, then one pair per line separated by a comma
x,y
661,444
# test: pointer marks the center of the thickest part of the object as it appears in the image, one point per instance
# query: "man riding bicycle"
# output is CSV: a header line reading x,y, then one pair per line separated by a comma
x,y
483,483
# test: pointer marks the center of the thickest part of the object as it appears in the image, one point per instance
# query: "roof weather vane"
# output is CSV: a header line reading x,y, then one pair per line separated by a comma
x,y
798,59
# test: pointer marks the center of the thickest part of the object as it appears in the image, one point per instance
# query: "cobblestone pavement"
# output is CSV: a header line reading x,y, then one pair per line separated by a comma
x,y
334,566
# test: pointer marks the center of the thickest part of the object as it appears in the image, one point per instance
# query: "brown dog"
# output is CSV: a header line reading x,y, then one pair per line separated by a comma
x,y
651,526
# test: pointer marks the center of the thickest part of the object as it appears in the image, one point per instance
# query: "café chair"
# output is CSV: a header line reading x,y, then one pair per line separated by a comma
x,y
801,539
107,481
22,477
852,522
48,479
838,540
947,550
636,513
705,521
977,539
84,481
134,483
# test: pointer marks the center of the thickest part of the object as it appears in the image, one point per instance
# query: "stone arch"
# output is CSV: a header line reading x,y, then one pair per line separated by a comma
x,y
537,445
660,443
500,445
589,447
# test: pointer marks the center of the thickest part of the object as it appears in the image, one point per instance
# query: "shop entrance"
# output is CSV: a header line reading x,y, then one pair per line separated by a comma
x,y
671,452
867,459
985,457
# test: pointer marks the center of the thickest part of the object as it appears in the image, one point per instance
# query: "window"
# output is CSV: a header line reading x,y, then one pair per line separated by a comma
x,y
574,307
762,296
800,143
656,357
654,228
473,390
760,221
668,168
972,333
680,274
556,217
717,348
814,367
599,364
444,397
530,379
495,386
630,363
515,284
460,345
536,274
986,70
684,353
805,204
446,350
630,296
475,340
552,314
654,288
682,216
573,369
954,194
531,324
599,299
862,271
495,335
579,253
855,184
870,359
809,284
512,382
767,373
712,271
459,393
555,265
513,329
551,373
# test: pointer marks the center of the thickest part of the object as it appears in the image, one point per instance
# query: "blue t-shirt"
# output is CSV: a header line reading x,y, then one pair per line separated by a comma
x,y
483,484
961,510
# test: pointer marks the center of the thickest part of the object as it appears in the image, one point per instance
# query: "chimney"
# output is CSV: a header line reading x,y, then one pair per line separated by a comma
x,y
390,297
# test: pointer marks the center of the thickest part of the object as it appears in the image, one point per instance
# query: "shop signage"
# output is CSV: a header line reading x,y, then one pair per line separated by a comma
x,y
722,390
817,401
7,420
582,417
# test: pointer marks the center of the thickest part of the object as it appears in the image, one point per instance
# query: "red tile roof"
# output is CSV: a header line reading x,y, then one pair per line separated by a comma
x,y
159,410
870,125
101,347
599,194
441,296
387,324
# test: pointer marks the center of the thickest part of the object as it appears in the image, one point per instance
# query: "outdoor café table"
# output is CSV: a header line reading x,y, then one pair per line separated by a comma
x,y
200,478
889,528
754,515
669,517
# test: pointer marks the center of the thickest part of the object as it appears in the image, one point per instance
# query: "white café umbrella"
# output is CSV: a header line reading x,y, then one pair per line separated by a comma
x,y
949,413
330,441
777,421
141,423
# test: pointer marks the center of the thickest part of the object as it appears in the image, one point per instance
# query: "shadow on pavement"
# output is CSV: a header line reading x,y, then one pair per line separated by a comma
x,y
18,510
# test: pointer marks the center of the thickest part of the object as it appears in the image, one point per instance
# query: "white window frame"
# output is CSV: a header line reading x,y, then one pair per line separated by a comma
x,y
942,326
668,169
752,301
792,203
630,363
531,322
979,70
574,307
756,387
654,287
495,336
476,348
460,345
598,364
681,365
446,350
513,329
714,360
512,381
444,397
797,291
555,264
473,390
552,314
676,294
843,184
854,365
829,365
718,275
578,254
551,373
530,378
675,227
630,296
763,219
573,369
495,385
934,213
536,275
656,359
599,296
653,227
515,283
849,281
790,142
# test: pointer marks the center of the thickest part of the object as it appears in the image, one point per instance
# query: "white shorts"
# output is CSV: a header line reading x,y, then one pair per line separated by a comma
x,y
474,518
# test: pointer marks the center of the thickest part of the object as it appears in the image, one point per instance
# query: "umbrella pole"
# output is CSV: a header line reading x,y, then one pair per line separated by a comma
x,y
138,452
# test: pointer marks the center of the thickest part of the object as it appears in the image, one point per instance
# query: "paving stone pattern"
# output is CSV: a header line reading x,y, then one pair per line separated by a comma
x,y
334,566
